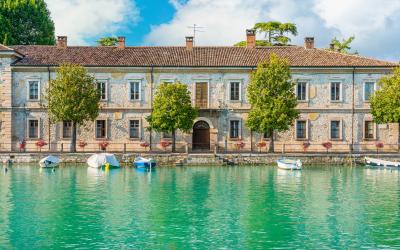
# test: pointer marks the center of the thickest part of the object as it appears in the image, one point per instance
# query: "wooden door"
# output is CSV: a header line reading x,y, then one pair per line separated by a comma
x,y
201,135
202,94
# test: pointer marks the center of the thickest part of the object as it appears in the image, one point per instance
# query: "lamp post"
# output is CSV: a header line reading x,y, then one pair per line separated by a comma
x,y
223,108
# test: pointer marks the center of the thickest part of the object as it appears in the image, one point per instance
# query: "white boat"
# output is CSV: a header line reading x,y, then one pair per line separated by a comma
x,y
103,160
289,164
49,162
381,163
141,162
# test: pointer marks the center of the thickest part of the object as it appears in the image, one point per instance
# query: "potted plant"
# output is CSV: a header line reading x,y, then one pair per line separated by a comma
x,y
103,145
327,146
164,144
240,145
82,144
40,143
144,145
261,145
378,146
22,145
306,145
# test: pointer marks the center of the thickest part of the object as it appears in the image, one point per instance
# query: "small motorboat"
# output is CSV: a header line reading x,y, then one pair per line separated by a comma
x,y
141,162
289,164
381,163
49,162
103,160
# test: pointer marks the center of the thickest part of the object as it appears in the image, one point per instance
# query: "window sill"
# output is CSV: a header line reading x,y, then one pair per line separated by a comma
x,y
32,139
135,139
301,139
266,139
336,139
33,100
339,101
101,139
235,139
302,101
369,139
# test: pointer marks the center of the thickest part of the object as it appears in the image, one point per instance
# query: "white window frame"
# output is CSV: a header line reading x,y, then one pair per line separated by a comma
x,y
105,87
130,81
106,129
340,130
307,129
374,133
167,80
365,83
139,128
230,81
239,129
27,128
341,82
28,89
307,89
62,130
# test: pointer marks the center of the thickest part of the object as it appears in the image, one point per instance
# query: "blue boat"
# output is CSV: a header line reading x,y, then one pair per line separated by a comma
x,y
141,162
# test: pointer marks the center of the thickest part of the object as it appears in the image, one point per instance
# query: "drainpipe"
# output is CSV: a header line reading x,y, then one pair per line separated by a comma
x,y
49,129
151,103
352,112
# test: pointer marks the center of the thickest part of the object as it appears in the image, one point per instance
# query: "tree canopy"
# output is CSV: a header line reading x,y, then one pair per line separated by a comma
x,y
273,101
107,41
172,110
342,46
25,22
259,43
73,96
385,102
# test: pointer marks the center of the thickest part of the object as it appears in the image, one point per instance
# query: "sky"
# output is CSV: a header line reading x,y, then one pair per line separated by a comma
x,y
374,23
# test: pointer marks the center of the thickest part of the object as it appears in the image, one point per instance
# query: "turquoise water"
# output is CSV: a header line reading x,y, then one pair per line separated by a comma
x,y
199,208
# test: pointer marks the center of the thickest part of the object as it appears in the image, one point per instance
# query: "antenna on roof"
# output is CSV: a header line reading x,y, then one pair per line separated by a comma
x,y
196,29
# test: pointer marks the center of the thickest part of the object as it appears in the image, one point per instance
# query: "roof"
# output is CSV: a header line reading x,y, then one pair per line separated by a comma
x,y
5,48
39,55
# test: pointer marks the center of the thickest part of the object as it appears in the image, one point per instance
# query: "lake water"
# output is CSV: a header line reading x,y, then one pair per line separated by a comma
x,y
199,207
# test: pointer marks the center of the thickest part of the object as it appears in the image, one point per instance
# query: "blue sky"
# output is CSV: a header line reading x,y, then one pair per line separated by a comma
x,y
375,23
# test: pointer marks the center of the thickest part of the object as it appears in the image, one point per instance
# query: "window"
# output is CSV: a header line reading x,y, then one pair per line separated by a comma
x,y
235,91
301,129
101,129
201,94
301,91
135,90
267,135
234,129
335,91
166,135
67,129
102,88
33,128
369,88
33,90
134,129
369,130
335,130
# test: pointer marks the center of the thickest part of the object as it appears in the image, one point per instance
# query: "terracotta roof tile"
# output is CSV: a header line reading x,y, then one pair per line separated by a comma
x,y
181,57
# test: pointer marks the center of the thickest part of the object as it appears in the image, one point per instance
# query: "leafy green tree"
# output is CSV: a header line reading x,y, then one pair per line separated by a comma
x,y
273,101
259,43
276,32
73,96
172,110
25,22
385,102
108,41
342,46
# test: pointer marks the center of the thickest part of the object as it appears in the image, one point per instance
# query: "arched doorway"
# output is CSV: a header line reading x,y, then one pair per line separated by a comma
x,y
201,135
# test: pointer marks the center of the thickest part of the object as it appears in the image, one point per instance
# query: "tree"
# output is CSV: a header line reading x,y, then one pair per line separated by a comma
x,y
343,46
25,22
385,102
172,110
108,41
272,99
73,96
259,43
276,32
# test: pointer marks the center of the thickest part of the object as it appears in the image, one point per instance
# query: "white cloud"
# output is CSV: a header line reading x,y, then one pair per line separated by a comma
x,y
81,20
375,23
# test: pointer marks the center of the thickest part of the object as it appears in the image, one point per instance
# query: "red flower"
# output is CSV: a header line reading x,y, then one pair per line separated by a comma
x,y
144,144
165,144
22,144
41,143
240,144
103,145
261,144
327,145
379,145
306,145
82,144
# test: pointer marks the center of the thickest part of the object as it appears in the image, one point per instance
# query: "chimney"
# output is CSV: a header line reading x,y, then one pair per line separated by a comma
x,y
62,42
189,43
121,42
251,38
309,42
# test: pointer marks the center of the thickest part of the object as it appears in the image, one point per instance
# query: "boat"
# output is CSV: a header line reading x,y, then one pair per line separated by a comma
x,y
381,163
103,160
49,162
289,164
141,162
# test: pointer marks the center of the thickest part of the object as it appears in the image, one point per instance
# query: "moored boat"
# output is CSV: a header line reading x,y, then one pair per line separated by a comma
x,y
103,160
381,163
141,162
289,164
49,162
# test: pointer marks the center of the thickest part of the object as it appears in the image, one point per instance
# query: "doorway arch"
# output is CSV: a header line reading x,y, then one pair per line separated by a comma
x,y
201,136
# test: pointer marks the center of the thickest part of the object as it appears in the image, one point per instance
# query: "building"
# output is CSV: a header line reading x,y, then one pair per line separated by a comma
x,y
333,90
